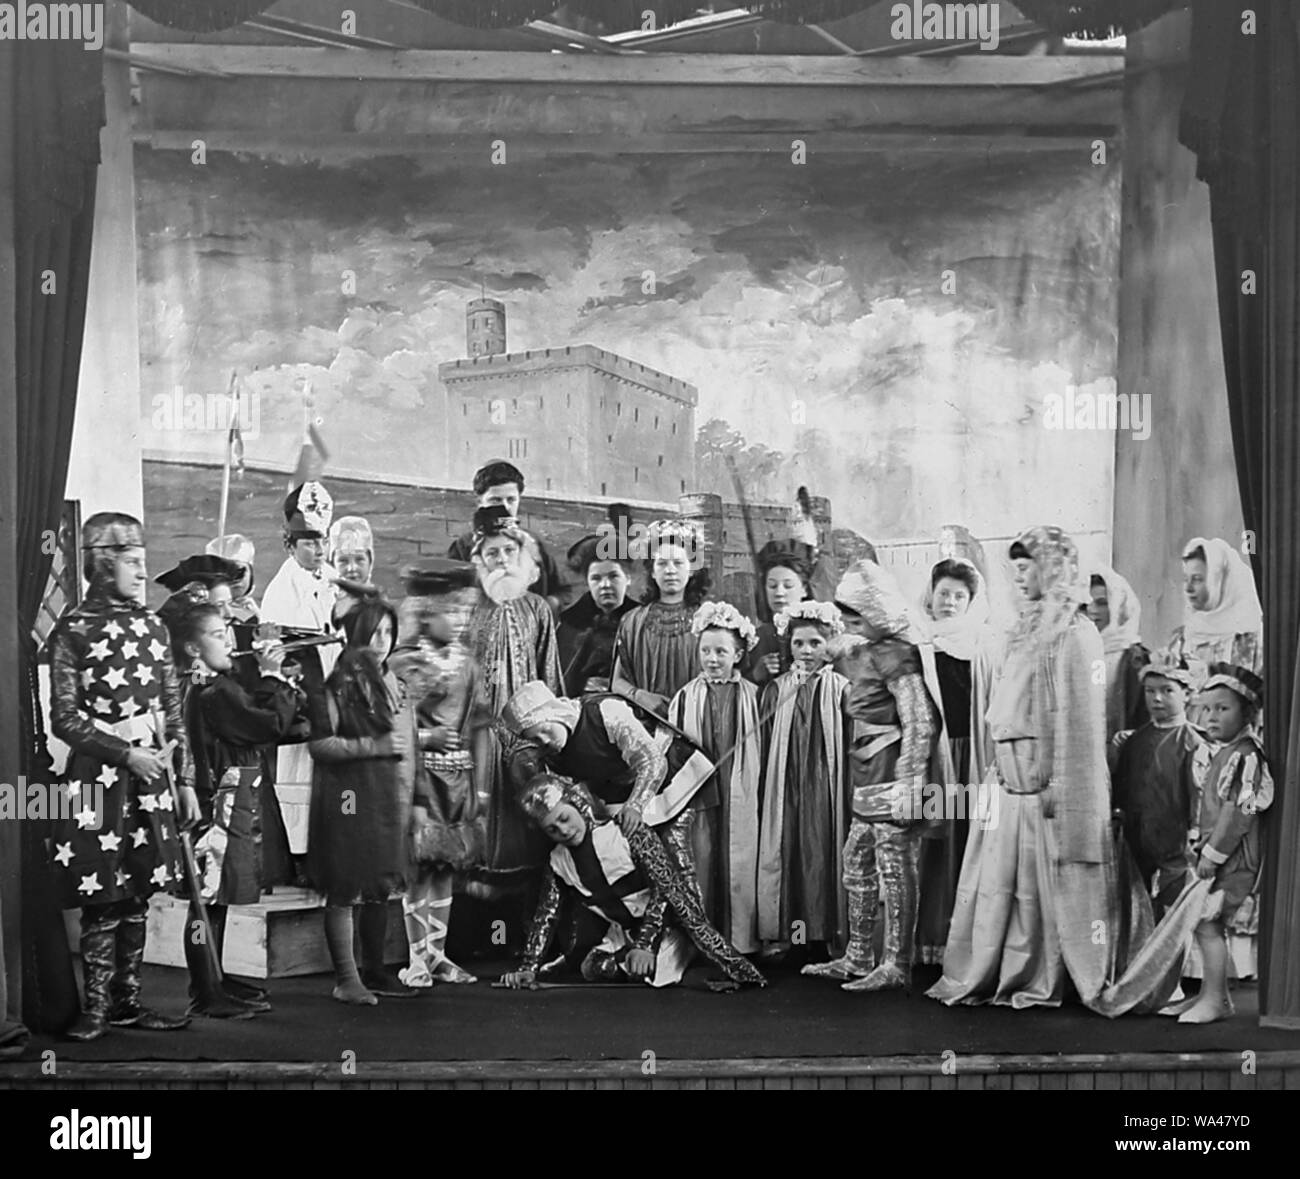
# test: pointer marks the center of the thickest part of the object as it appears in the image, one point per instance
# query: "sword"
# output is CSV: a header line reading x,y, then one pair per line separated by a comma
x,y
192,878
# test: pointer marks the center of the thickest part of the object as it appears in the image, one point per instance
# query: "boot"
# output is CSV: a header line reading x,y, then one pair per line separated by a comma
x,y
896,854
207,994
98,942
859,955
375,975
126,1010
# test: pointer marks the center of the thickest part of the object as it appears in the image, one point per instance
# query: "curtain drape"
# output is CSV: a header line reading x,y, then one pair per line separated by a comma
x,y
1242,119
57,108
1088,18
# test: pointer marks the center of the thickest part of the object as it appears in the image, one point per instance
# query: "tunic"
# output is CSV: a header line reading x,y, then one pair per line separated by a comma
x,y
513,642
446,685
655,650
724,718
1155,785
805,807
110,676
228,727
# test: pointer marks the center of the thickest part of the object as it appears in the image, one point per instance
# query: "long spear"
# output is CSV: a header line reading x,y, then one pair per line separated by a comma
x,y
232,392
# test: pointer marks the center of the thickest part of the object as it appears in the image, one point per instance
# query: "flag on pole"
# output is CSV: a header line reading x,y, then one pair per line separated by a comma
x,y
235,441
313,454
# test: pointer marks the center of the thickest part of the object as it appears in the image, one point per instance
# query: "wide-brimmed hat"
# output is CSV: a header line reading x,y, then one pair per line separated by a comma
x,y
438,575
203,568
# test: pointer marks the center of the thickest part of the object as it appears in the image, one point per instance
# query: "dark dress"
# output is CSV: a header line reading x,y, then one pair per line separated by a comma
x,y
230,730
769,643
655,650
586,637
943,844
363,787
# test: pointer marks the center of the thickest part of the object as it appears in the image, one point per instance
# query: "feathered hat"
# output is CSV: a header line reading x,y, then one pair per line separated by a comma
x,y
202,569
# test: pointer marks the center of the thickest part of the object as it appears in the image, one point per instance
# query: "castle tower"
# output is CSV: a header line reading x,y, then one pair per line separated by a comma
x,y
485,327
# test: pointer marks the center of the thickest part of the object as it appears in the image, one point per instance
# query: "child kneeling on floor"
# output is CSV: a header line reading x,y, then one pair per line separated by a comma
x,y
628,881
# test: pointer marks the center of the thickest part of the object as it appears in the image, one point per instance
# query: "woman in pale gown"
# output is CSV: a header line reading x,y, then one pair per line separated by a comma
x,y
1223,622
1037,878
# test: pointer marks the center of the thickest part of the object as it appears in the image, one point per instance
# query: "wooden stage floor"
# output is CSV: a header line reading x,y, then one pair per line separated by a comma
x,y
797,1033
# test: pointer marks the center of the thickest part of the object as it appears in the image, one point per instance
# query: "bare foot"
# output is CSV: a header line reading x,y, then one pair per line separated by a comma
x,y
355,993
1205,1011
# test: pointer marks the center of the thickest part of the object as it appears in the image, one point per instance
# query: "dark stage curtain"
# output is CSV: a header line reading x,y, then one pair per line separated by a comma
x,y
1086,18
56,104
1242,119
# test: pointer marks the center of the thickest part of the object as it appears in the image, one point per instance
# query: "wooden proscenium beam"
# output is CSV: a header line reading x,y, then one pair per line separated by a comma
x,y
430,101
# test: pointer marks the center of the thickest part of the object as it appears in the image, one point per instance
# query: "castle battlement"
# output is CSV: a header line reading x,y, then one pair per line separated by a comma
x,y
572,356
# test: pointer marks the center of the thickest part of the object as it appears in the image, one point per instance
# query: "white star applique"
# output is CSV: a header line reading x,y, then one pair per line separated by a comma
x,y
85,818
114,631
72,789
140,626
143,674
87,678
120,878
64,854
77,626
110,841
149,802
139,837
98,650
102,706
130,650
165,802
156,649
115,678
160,875
107,777
90,884
130,707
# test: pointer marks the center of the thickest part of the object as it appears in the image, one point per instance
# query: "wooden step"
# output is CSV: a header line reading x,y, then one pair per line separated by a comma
x,y
282,936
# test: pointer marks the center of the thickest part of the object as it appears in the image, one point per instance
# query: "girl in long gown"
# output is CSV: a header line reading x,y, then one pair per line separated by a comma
x,y
719,709
512,635
804,818
1039,873
655,657
952,628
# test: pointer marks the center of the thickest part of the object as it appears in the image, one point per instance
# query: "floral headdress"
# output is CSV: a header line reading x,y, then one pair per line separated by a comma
x,y
677,531
724,616
820,612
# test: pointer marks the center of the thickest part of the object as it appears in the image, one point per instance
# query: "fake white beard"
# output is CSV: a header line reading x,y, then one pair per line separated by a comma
x,y
505,585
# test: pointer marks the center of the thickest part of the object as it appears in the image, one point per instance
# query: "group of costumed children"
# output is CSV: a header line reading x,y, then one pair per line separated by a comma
x,y
737,792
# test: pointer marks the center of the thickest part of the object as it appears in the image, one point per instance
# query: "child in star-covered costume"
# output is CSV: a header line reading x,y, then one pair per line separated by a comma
x,y
112,687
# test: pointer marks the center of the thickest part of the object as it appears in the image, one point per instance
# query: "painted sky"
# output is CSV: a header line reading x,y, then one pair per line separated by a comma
x,y
775,284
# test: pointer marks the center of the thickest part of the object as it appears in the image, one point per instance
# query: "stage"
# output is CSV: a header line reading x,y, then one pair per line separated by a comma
x,y
797,1033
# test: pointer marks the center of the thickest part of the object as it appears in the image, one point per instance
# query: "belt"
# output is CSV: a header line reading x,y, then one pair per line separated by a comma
x,y
449,763
138,728
881,737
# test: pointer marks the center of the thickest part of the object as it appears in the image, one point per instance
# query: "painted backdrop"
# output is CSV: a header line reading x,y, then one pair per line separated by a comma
x,y
891,327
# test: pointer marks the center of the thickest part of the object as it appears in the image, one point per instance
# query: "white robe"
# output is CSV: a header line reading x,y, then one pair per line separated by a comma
x,y
305,600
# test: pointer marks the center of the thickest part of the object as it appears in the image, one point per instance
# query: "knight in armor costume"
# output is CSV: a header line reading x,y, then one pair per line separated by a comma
x,y
114,701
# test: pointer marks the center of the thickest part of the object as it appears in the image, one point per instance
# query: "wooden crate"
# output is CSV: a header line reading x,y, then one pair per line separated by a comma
x,y
281,937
